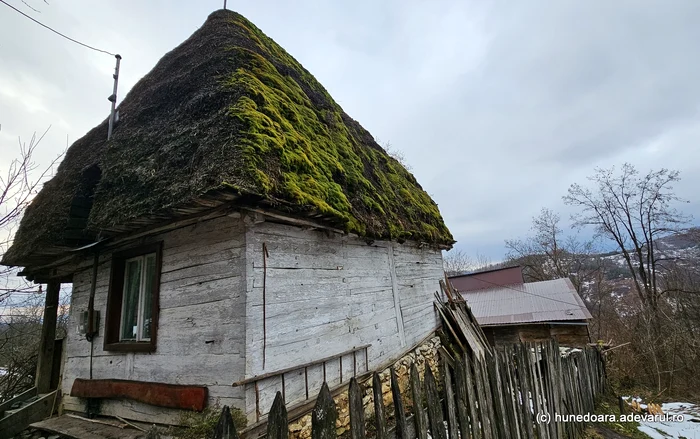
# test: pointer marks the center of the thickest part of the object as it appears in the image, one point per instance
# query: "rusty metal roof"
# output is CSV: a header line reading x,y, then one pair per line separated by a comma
x,y
552,300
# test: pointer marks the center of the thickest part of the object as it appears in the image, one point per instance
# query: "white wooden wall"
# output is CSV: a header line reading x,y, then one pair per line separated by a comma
x,y
325,294
202,299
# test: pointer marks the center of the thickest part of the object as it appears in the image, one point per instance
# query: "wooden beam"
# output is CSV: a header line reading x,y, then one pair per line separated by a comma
x,y
157,394
15,422
48,336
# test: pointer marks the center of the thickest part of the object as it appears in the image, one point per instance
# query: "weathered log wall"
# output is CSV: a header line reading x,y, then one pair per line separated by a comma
x,y
200,329
324,293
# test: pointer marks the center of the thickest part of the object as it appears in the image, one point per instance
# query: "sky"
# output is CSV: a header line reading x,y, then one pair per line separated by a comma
x,y
497,107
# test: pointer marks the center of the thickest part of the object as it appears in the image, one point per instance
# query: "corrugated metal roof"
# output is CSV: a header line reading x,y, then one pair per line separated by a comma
x,y
552,300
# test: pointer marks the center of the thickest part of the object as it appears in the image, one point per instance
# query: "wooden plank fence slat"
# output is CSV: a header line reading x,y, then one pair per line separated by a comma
x,y
499,396
379,415
277,425
357,412
435,415
514,392
399,412
417,395
324,415
525,392
511,422
462,399
224,428
476,422
484,414
452,426
493,420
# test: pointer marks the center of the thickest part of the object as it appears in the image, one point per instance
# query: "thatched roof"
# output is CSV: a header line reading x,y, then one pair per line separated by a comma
x,y
227,114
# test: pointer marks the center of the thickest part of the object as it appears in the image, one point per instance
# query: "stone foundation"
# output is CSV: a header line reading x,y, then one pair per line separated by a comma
x,y
425,354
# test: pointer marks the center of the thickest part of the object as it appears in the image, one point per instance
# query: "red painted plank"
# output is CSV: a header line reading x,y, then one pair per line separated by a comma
x,y
157,394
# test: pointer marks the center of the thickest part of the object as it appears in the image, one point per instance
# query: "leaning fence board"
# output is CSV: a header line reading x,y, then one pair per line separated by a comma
x,y
497,395
224,428
462,400
452,426
435,415
472,396
277,427
357,412
525,393
324,415
502,395
417,395
399,412
484,414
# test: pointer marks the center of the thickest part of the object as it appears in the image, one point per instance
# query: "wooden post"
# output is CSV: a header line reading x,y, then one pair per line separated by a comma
x,y
452,426
417,396
357,413
379,415
225,429
277,425
48,335
324,415
435,416
399,412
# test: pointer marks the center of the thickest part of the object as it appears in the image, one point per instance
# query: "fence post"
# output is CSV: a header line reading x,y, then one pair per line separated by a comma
x,y
450,400
357,412
437,422
399,413
224,428
324,415
462,404
379,415
277,426
417,395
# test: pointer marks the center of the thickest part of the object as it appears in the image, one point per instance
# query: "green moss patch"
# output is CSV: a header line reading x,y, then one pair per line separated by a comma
x,y
228,110
309,156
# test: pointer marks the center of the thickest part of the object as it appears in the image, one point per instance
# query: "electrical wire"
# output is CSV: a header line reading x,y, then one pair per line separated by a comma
x,y
55,31
578,305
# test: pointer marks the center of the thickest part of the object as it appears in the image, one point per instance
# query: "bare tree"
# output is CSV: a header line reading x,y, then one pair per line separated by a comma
x,y
395,153
633,211
457,262
21,303
548,254
18,185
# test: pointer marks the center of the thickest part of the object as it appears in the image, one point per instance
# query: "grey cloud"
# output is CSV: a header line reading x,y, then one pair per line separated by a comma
x,y
498,107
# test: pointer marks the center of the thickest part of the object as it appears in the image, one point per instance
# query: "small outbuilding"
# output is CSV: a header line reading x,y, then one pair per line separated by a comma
x,y
510,310
238,235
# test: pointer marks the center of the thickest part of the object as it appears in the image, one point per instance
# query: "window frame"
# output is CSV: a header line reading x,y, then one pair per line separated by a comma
x,y
113,321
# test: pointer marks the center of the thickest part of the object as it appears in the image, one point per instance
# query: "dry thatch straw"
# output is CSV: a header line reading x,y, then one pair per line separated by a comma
x,y
227,111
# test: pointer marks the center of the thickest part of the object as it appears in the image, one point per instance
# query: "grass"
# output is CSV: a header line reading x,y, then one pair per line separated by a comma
x,y
609,405
201,425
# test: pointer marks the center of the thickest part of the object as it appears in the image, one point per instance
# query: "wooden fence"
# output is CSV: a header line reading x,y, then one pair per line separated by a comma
x,y
523,391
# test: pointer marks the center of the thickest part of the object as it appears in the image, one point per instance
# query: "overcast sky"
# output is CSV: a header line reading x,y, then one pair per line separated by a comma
x,y
497,106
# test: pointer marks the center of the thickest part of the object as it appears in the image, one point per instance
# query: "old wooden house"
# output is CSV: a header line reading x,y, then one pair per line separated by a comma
x,y
239,234
509,310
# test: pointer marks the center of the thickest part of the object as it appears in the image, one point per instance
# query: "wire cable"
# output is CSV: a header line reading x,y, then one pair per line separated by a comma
x,y
578,305
55,31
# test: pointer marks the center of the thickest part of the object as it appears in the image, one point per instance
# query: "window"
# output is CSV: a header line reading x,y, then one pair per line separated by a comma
x,y
132,304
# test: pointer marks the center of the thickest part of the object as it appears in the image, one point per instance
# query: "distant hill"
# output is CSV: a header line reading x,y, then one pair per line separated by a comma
x,y
682,249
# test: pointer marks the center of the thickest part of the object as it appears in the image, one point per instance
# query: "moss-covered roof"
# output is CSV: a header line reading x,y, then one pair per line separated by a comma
x,y
227,111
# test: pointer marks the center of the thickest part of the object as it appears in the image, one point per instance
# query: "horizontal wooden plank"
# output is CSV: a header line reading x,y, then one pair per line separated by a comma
x,y
157,394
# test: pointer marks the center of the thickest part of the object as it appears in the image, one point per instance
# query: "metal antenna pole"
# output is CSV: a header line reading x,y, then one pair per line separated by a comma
x,y
113,97
224,4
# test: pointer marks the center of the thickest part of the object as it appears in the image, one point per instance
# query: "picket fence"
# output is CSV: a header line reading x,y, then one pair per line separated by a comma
x,y
523,391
